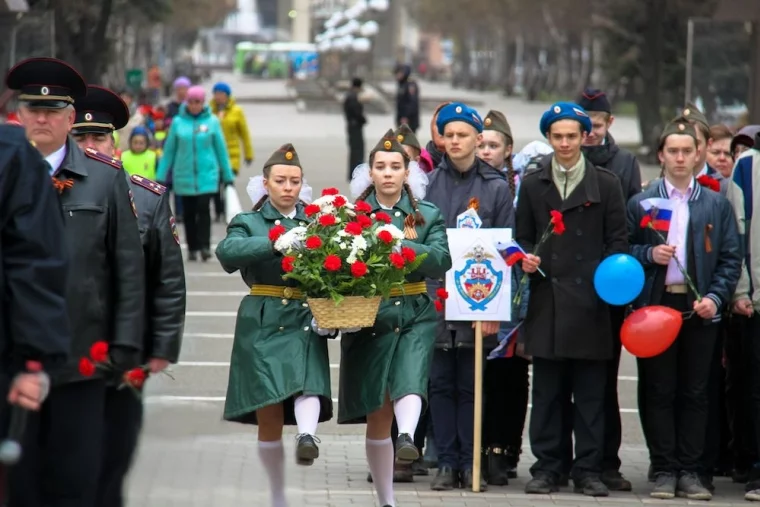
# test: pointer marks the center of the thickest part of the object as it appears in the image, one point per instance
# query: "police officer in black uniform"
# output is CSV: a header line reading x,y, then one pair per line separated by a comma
x,y
98,115
105,293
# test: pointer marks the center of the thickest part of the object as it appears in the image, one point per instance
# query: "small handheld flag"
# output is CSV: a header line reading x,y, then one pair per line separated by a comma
x,y
660,212
513,253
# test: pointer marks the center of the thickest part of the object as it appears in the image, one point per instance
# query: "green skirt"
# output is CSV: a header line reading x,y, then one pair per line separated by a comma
x,y
275,357
393,357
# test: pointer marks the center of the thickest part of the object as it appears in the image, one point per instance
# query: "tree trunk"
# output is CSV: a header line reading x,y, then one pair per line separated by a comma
x,y
648,92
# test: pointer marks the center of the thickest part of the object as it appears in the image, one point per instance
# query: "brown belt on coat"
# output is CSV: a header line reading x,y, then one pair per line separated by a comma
x,y
277,291
677,289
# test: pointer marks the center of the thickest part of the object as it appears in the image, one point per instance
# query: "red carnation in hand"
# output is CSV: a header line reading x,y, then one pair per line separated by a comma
x,y
332,263
358,269
339,201
409,254
313,242
364,221
441,293
99,352
558,222
383,217
86,367
311,210
438,305
135,377
385,237
353,228
330,191
397,260
275,232
362,207
709,182
287,263
327,220
645,221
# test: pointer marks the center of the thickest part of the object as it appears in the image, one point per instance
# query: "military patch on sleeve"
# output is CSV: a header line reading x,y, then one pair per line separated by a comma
x,y
102,157
151,185
175,233
132,202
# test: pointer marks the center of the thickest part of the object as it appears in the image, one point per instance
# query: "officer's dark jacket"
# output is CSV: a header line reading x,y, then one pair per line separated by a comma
x,y
451,191
714,250
106,286
353,110
165,296
33,260
619,161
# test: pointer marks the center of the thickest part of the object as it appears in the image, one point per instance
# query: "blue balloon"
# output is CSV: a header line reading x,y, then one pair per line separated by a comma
x,y
619,279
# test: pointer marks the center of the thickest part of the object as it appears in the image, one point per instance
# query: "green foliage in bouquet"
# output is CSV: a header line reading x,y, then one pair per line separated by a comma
x,y
345,251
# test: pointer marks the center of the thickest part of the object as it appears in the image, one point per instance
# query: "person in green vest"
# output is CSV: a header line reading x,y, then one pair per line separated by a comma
x,y
279,369
384,369
138,159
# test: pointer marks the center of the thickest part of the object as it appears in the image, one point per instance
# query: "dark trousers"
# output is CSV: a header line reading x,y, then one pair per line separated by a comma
x,y
218,201
676,394
62,449
452,395
715,454
197,221
613,429
739,345
755,343
123,422
554,381
355,149
505,392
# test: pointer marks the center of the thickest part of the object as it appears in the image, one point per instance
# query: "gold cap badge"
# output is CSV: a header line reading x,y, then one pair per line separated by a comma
x,y
487,122
400,138
681,126
387,145
88,117
686,112
288,156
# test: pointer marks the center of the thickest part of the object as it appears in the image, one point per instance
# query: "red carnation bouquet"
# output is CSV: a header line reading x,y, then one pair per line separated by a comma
x,y
98,359
555,227
344,251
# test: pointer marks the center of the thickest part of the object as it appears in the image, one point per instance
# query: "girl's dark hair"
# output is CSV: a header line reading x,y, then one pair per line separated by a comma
x,y
510,168
267,171
418,218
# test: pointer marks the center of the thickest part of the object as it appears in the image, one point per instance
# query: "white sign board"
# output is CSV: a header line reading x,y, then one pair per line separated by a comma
x,y
479,282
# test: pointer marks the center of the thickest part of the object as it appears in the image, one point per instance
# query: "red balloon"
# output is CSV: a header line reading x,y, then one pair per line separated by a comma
x,y
649,331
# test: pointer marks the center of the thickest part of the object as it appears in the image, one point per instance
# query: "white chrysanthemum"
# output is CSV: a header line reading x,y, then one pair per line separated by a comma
x,y
290,239
342,245
337,219
395,231
324,200
351,258
341,234
359,244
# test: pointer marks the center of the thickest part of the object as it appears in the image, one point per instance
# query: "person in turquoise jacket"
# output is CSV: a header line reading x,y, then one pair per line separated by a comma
x,y
384,369
196,151
279,369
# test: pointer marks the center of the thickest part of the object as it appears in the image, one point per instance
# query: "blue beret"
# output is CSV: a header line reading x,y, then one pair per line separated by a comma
x,y
565,111
222,87
456,111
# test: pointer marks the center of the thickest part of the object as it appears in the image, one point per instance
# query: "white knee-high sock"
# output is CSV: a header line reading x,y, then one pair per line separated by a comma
x,y
380,460
407,411
307,414
272,456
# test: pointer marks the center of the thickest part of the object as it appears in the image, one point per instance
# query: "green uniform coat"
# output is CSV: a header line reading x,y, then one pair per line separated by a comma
x,y
275,355
394,356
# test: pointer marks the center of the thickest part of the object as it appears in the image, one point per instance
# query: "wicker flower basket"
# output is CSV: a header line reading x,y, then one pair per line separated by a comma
x,y
353,311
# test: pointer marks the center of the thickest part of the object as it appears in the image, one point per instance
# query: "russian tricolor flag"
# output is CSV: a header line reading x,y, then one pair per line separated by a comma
x,y
660,212
512,254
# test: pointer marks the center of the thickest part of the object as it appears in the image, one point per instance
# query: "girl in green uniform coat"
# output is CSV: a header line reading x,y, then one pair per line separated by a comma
x,y
384,369
279,370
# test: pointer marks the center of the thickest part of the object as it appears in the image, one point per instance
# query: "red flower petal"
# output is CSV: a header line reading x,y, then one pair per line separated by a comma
x,y
330,191
438,305
327,220
332,263
311,210
99,352
358,269
287,263
409,254
397,260
339,201
86,367
313,242
353,228
441,293
645,221
383,217
385,237
362,207
275,232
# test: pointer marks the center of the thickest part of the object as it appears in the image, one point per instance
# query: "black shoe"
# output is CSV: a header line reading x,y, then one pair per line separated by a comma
x,y
419,469
306,449
512,458
564,480
707,482
590,485
192,256
402,473
445,480
205,254
665,485
406,451
691,487
542,483
369,477
466,479
498,467
615,481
